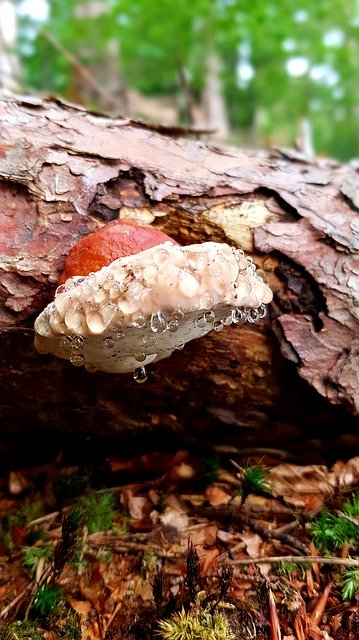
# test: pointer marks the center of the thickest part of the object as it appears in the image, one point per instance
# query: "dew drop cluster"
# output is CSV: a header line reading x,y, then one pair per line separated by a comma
x,y
142,308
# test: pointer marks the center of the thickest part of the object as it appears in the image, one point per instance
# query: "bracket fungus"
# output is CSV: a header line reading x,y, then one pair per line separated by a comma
x,y
130,295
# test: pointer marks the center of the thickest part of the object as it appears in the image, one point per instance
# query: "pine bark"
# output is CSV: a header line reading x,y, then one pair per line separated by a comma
x,y
65,171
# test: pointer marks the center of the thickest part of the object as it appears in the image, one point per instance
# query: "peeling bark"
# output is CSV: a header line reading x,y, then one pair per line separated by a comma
x,y
65,171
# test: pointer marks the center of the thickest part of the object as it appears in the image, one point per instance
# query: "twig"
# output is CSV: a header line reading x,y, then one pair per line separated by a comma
x,y
46,518
271,534
121,546
273,618
70,58
317,613
13,602
233,513
349,562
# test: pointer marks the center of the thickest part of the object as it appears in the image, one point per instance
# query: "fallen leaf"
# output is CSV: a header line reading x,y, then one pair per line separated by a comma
x,y
216,495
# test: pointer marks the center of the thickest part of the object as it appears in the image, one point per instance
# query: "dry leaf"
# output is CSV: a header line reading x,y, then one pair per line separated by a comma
x,y
174,518
216,495
252,541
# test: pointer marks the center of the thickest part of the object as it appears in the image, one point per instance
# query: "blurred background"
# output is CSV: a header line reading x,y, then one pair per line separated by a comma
x,y
255,73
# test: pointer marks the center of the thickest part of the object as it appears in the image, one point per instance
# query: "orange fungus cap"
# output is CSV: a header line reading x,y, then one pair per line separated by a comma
x,y
114,240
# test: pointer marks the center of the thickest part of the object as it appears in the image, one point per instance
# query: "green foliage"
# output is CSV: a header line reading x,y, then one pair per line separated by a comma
x,y
28,512
47,600
330,532
25,629
350,583
289,568
148,562
253,479
32,556
351,506
21,517
98,511
285,568
196,624
280,62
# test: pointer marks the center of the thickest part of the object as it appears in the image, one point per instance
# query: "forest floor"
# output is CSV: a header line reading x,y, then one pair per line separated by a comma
x,y
180,545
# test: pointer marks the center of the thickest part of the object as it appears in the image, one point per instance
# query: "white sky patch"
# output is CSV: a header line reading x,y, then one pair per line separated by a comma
x,y
301,15
333,38
245,69
38,10
8,21
289,45
297,66
324,74
245,72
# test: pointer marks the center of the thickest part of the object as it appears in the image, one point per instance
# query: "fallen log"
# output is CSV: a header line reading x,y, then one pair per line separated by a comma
x,y
65,171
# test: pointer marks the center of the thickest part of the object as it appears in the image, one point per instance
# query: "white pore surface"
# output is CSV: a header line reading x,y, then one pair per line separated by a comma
x,y
141,308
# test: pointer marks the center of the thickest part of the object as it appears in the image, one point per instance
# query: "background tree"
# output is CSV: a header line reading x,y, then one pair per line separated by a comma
x,y
276,64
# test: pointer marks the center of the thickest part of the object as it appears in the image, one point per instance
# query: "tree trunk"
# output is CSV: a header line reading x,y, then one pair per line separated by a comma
x,y
10,76
65,171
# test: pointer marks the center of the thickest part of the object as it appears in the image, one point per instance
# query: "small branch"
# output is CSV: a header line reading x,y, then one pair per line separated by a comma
x,y
318,610
273,618
86,75
348,562
234,513
5,611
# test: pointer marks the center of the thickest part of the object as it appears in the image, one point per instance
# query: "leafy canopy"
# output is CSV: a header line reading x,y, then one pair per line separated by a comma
x,y
280,61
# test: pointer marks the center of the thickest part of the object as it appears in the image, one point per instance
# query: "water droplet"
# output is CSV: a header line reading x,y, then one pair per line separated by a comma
x,y
253,316
177,314
90,368
218,325
114,292
173,326
65,342
77,359
60,289
120,335
109,343
239,316
187,284
201,322
140,375
179,346
95,322
160,256
140,357
209,317
206,301
138,320
262,310
148,340
77,343
158,322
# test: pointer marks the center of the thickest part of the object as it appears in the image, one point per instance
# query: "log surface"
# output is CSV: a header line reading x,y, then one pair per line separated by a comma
x,y
65,171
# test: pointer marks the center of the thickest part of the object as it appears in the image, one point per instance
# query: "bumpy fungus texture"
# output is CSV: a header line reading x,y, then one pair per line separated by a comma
x,y
140,308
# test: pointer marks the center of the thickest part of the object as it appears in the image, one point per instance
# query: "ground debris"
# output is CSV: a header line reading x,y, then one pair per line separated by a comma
x,y
244,550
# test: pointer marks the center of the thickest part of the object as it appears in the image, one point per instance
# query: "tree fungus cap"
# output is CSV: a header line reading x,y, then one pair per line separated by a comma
x,y
140,308
114,240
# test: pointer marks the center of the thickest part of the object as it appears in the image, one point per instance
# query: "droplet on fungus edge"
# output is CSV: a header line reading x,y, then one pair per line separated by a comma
x,y
146,302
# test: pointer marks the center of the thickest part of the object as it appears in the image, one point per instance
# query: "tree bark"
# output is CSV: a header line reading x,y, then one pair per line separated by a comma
x,y
65,171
